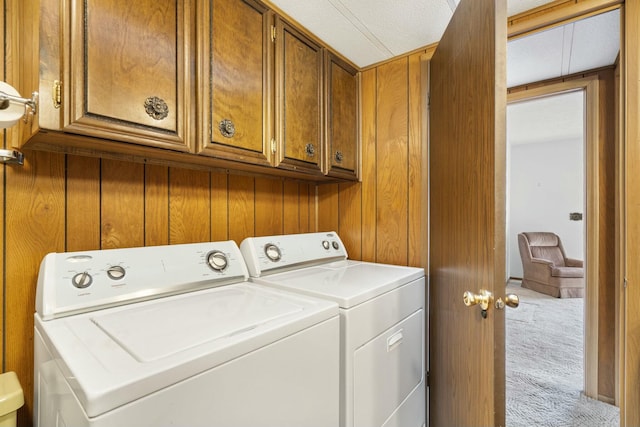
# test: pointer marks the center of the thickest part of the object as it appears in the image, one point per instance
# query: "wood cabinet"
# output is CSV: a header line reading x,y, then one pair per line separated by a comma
x,y
341,82
299,131
236,115
116,70
209,84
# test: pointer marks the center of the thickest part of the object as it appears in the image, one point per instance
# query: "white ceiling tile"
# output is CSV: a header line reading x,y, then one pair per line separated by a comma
x,y
567,44
535,58
596,42
518,6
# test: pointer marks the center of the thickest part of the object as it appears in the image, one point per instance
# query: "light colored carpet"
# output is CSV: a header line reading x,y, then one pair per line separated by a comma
x,y
544,364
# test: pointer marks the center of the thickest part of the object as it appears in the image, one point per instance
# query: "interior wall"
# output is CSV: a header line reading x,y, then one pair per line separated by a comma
x,y
546,183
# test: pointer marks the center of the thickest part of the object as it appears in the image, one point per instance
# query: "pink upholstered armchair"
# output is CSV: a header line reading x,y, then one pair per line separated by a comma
x,y
547,269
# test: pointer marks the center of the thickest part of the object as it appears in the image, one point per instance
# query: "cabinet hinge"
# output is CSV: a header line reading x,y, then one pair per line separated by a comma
x,y
56,93
273,146
273,33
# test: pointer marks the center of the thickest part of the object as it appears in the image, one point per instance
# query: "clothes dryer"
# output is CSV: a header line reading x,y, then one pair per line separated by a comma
x,y
382,322
175,335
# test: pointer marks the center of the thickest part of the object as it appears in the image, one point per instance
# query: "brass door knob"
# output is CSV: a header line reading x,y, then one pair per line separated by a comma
x,y
483,299
510,300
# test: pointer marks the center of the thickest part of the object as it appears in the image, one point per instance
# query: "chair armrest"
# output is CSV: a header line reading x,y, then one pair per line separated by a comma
x,y
571,262
542,261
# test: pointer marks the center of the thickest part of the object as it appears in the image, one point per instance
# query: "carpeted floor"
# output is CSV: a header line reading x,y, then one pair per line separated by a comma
x,y
544,364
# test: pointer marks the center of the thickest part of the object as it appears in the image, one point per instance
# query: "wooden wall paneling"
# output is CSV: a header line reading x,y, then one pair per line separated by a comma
x,y
269,207
122,204
606,224
156,205
219,207
292,207
241,207
35,226
82,203
328,210
392,162
418,168
307,214
368,100
189,206
2,197
350,224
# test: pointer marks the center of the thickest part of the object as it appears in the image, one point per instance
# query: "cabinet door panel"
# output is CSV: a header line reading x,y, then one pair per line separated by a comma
x,y
129,71
298,100
342,118
240,81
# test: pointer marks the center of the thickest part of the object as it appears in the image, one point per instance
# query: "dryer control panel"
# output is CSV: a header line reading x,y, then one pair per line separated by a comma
x,y
273,254
76,282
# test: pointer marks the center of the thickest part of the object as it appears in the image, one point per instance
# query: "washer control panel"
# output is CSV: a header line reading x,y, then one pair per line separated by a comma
x,y
271,254
75,282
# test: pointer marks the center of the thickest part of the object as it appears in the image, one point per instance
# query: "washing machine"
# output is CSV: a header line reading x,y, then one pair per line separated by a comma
x,y
176,335
382,322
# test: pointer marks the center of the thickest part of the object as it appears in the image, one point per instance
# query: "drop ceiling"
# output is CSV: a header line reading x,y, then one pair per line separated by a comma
x,y
370,31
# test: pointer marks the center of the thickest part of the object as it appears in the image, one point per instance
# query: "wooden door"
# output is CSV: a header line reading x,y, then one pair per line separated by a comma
x,y
467,208
341,81
236,112
129,75
298,100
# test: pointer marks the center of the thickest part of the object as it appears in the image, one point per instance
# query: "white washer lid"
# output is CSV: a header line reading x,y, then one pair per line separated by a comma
x,y
348,282
114,356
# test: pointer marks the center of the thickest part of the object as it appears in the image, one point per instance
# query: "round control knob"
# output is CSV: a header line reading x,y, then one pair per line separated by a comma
x,y
335,245
217,260
82,280
116,272
325,244
272,252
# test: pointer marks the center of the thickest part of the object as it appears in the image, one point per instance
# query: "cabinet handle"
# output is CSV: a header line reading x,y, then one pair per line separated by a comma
x,y
310,150
156,108
227,128
339,156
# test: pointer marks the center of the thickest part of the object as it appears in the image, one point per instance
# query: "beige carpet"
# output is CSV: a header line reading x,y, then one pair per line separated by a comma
x,y
544,364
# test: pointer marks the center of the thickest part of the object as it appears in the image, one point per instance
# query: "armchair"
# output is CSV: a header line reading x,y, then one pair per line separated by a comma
x,y
546,268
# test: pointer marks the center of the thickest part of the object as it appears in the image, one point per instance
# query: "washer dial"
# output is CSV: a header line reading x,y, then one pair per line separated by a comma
x,y
82,280
217,260
116,272
272,252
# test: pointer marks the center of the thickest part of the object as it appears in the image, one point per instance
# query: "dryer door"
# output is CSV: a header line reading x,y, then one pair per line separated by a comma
x,y
387,370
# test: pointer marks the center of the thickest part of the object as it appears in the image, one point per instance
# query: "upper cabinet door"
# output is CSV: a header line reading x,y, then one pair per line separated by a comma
x,y
237,123
342,118
298,100
129,76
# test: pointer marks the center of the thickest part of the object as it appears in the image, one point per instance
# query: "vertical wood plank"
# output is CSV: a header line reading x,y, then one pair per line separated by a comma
x,y
2,197
35,211
156,205
241,207
219,207
122,204
368,101
350,206
328,208
308,217
292,207
83,204
189,206
418,166
392,162
269,206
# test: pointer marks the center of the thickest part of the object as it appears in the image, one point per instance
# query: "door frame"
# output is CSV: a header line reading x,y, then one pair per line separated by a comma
x,y
590,86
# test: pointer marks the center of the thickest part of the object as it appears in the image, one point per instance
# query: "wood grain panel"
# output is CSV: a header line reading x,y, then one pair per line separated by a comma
x,y
219,207
122,204
2,198
189,206
328,210
35,214
418,168
350,223
308,208
241,207
156,205
83,204
630,392
292,206
269,207
368,99
392,162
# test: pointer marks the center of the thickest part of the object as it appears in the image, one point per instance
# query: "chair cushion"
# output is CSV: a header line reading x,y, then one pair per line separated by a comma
x,y
541,238
551,253
567,272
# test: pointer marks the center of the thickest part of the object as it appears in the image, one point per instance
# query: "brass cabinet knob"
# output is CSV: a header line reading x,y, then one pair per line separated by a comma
x,y
227,128
310,150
